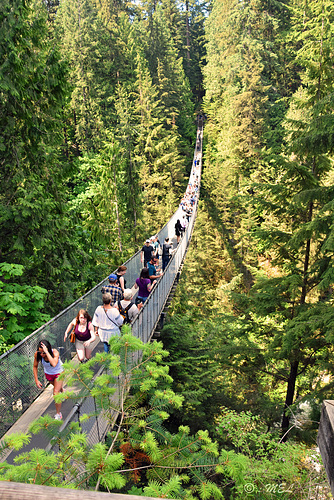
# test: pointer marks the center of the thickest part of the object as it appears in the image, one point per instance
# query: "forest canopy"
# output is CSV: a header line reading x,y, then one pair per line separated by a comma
x,y
97,129
94,146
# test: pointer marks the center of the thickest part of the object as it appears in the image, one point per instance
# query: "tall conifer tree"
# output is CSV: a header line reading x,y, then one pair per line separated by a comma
x,y
307,210
34,226
83,38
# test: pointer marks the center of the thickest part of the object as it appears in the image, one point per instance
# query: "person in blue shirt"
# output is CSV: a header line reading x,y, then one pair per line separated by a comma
x,y
153,272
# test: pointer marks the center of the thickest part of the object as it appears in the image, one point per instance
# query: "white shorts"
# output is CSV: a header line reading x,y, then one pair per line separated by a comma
x,y
79,345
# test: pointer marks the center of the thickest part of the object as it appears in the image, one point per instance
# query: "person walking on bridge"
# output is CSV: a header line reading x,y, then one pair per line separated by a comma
x,y
178,230
144,285
112,288
85,338
156,245
146,253
52,366
154,272
121,281
127,309
166,253
106,321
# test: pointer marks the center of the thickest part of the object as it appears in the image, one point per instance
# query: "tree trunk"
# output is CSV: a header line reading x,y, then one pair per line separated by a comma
x,y
65,142
306,257
289,397
294,365
117,212
187,30
77,148
133,195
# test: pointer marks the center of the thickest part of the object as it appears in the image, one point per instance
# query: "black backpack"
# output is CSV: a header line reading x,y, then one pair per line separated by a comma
x,y
124,312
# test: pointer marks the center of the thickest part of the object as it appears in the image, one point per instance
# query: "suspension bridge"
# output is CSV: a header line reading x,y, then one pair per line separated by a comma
x,y
21,401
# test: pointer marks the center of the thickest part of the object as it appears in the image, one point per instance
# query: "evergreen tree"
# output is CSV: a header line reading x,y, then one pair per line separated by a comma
x,y
34,227
139,446
159,149
193,48
301,243
166,68
140,455
285,322
247,53
83,40
129,181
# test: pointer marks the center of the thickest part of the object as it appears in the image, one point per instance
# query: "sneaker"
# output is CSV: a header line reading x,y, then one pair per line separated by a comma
x,y
58,416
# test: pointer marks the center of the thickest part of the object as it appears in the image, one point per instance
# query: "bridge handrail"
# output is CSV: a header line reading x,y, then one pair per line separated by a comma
x,y
18,389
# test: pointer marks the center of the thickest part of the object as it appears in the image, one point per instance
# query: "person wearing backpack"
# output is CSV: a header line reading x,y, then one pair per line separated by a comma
x,y
127,309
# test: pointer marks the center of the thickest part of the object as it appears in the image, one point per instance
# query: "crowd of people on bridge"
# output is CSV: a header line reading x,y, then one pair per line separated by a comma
x,y
117,306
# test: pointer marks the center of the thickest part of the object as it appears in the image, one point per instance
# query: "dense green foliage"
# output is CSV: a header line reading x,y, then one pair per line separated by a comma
x,y
141,456
273,155
258,284
20,306
93,144
97,126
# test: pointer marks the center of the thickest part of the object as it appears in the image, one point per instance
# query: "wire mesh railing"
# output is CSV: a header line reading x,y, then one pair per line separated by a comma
x,y
18,389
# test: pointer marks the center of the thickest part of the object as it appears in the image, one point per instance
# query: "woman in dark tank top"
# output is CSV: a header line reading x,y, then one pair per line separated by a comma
x,y
84,335
121,281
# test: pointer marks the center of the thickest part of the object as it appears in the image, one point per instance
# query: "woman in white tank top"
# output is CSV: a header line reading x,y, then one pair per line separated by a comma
x,y
52,366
